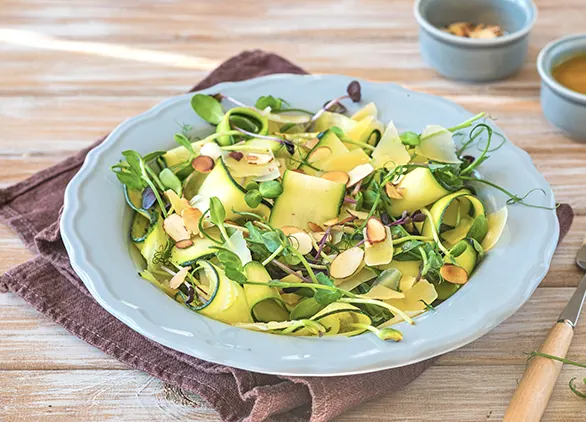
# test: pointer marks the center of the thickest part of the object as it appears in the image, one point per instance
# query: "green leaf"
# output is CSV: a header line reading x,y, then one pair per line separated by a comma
x,y
253,198
324,279
229,259
133,159
184,142
271,240
479,228
275,104
217,211
153,156
410,138
254,234
325,297
208,108
251,186
271,189
235,275
171,181
131,180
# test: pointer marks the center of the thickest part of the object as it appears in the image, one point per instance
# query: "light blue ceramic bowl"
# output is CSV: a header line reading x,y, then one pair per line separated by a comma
x,y
563,107
469,59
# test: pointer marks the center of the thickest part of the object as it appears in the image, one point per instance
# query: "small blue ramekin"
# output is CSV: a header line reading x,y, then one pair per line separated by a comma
x,y
563,107
470,59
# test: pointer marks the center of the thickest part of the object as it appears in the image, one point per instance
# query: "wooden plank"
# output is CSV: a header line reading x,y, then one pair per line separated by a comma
x,y
28,341
441,393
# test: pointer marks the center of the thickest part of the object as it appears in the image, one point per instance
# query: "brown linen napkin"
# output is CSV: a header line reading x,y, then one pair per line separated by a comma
x,y
32,209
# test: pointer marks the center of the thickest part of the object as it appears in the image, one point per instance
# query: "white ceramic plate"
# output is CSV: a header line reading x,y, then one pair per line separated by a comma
x,y
95,226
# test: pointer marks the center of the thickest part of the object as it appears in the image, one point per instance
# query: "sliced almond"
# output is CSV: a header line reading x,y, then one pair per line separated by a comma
x,y
173,226
318,154
347,263
311,143
331,222
302,242
315,227
393,192
360,215
178,204
191,217
203,164
298,171
179,278
258,159
184,244
375,231
359,173
454,274
336,176
318,236
290,230
212,150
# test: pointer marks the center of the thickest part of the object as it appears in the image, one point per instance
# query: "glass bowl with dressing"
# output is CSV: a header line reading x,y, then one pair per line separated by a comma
x,y
562,68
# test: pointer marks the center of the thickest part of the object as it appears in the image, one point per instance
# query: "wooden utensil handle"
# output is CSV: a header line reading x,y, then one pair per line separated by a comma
x,y
534,390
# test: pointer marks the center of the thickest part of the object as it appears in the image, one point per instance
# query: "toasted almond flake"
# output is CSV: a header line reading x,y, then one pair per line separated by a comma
x,y
178,204
258,159
358,173
298,171
191,217
183,244
331,222
173,226
336,176
212,150
393,192
315,227
318,154
311,143
179,278
302,242
347,263
360,215
375,231
203,164
318,236
290,230
454,274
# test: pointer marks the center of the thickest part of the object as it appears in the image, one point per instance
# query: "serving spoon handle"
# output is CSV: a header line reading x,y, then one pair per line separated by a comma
x,y
534,390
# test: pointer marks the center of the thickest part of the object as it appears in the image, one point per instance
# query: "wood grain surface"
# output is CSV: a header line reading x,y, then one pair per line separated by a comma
x,y
71,71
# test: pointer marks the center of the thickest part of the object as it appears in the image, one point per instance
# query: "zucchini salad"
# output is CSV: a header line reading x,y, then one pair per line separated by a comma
x,y
306,223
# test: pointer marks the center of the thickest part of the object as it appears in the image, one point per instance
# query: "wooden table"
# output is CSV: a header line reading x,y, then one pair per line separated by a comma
x,y
69,73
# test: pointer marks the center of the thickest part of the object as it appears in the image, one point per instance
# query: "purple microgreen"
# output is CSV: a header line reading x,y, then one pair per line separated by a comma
x,y
469,158
418,217
148,198
354,91
322,242
385,219
290,271
362,242
190,293
236,155
356,188
348,200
